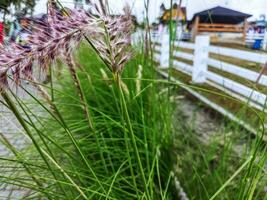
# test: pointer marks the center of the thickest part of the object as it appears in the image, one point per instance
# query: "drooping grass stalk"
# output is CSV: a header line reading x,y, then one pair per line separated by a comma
x,y
18,116
146,147
167,185
46,145
67,130
65,174
94,93
117,80
231,178
74,127
6,142
45,137
257,176
77,147
76,81
52,83
158,174
43,140
126,138
113,181
43,92
247,187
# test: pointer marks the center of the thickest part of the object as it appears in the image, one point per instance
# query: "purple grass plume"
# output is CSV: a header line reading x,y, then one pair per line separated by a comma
x,y
113,42
61,34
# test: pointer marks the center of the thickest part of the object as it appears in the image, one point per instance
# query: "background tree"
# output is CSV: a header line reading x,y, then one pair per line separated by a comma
x,y
4,5
26,5
30,5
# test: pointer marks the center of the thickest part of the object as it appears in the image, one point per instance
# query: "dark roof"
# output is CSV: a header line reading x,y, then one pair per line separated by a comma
x,y
221,15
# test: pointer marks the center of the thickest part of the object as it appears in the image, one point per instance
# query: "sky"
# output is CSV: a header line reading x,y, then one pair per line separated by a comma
x,y
254,7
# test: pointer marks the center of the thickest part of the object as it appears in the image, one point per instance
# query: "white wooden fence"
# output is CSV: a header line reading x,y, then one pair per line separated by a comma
x,y
251,37
202,61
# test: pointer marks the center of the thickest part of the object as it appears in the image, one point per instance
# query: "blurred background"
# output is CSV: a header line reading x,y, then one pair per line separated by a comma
x,y
35,7
16,15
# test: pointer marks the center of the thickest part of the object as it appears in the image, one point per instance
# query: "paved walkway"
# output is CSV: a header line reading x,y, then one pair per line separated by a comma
x,y
12,131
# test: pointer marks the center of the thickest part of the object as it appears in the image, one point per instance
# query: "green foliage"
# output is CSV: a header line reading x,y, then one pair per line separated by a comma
x,y
72,160
220,168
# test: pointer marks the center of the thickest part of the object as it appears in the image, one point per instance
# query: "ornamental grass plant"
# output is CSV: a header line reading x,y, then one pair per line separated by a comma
x,y
98,134
102,126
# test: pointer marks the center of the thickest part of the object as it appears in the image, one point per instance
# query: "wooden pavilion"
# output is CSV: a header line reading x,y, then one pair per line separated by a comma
x,y
221,20
177,13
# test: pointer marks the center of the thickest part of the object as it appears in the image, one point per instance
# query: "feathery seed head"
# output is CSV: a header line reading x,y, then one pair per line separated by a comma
x,y
59,34
113,43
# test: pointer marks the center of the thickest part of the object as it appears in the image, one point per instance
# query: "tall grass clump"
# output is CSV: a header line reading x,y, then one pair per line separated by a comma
x,y
222,167
228,164
103,125
100,129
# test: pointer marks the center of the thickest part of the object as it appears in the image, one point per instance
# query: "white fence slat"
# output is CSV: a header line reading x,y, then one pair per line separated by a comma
x,y
183,67
238,71
154,39
200,52
157,56
251,41
237,96
157,48
261,36
186,45
238,88
240,54
201,55
211,104
255,37
183,55
165,50
264,46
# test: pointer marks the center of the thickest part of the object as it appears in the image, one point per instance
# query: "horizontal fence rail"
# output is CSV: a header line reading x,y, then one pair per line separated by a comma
x,y
186,45
239,54
238,71
220,28
157,48
201,56
188,69
186,56
211,104
252,37
238,88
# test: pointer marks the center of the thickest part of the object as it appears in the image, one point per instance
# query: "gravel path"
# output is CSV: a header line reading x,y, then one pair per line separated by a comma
x,y
206,123
201,122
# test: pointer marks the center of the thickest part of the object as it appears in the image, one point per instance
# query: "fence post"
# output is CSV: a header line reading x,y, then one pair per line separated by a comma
x,y
201,55
165,49
264,46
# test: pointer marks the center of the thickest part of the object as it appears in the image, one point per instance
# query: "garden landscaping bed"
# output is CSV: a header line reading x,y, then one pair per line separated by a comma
x,y
233,105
